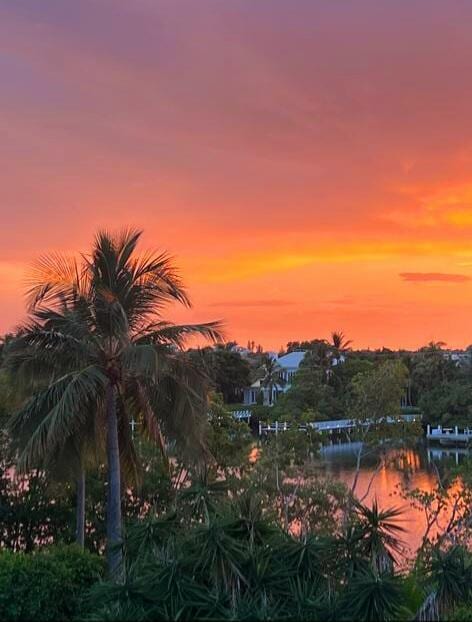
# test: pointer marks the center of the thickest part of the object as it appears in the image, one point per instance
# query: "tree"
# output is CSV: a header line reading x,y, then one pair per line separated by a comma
x,y
124,364
448,403
374,406
309,395
430,367
228,371
339,342
272,376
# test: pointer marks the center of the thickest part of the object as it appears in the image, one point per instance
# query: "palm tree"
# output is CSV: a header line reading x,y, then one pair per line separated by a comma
x,y
272,375
339,346
339,342
434,346
123,360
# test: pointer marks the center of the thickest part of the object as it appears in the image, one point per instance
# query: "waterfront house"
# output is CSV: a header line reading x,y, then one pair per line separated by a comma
x,y
289,364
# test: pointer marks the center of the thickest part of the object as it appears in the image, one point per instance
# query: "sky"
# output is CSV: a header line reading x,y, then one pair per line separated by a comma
x,y
308,163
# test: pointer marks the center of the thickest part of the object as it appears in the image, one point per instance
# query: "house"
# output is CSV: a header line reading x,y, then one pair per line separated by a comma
x,y
459,357
289,364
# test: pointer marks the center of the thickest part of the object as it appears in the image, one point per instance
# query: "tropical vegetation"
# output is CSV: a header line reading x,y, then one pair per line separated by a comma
x,y
129,491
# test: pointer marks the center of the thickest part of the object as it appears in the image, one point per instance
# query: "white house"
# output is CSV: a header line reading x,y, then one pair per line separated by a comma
x,y
289,364
459,357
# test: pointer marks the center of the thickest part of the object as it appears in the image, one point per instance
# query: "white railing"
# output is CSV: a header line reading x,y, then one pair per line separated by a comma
x,y
330,426
448,433
242,414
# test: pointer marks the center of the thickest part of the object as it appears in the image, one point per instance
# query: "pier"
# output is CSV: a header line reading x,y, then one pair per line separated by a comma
x,y
336,425
449,435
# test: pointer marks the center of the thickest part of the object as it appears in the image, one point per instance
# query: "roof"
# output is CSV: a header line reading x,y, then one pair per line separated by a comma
x,y
291,360
258,385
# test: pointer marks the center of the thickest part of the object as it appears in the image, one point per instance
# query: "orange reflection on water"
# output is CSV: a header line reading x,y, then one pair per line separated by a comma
x,y
402,472
254,455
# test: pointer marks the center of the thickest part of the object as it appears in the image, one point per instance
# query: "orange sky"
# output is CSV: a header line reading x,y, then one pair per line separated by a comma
x,y
309,163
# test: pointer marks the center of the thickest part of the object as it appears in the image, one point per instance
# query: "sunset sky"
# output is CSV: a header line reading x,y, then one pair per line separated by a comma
x,y
308,163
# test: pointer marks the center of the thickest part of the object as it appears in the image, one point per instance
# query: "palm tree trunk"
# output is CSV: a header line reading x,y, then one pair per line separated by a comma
x,y
114,553
80,510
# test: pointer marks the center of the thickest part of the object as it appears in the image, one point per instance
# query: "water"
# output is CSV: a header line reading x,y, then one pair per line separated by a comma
x,y
408,469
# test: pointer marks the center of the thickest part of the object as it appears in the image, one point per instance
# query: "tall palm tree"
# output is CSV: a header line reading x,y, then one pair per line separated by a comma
x,y
272,375
122,360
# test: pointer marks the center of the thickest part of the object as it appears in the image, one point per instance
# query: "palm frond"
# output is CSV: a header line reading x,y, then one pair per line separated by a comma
x,y
180,401
53,279
139,405
141,361
166,333
71,397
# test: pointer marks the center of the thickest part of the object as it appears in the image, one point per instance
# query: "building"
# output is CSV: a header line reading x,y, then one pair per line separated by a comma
x,y
459,357
289,364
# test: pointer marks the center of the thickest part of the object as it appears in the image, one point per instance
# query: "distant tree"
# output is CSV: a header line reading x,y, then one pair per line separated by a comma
x,y
375,397
448,403
339,342
271,375
229,440
297,346
309,395
430,367
227,370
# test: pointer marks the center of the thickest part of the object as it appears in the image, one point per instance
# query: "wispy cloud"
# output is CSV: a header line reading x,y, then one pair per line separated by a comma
x,y
427,277
252,303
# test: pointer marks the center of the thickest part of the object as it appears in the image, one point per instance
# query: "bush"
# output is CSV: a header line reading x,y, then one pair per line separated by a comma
x,y
463,614
47,585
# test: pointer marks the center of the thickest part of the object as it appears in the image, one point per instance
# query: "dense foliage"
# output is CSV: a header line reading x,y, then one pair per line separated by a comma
x,y
47,585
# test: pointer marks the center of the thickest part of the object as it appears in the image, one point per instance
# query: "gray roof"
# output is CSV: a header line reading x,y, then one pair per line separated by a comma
x,y
291,360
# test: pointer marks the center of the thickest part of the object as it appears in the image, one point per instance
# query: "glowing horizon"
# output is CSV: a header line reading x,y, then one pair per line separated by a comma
x,y
310,169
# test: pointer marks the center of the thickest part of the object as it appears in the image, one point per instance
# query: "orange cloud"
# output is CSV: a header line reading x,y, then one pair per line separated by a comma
x,y
427,277
293,176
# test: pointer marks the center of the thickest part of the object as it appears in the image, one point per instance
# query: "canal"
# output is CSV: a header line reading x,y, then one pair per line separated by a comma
x,y
403,470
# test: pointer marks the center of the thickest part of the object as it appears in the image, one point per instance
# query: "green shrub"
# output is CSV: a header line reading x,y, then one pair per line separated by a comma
x,y
47,585
462,614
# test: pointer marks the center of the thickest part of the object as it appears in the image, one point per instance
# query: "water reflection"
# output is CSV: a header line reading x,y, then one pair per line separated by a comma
x,y
406,469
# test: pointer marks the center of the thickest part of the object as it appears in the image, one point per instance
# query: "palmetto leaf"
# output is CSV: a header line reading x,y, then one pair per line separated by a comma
x,y
215,553
449,579
380,532
375,598
148,537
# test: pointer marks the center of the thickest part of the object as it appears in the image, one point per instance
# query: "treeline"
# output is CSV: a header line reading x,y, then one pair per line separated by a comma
x,y
431,380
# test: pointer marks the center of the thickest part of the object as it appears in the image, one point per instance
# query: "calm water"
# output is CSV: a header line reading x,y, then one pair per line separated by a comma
x,y
410,469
